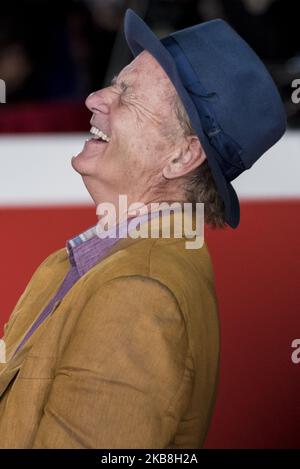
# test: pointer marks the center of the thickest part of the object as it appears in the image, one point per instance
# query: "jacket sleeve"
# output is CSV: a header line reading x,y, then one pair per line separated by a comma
x,y
123,380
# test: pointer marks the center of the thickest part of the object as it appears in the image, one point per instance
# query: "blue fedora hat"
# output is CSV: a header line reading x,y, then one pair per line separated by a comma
x,y
231,100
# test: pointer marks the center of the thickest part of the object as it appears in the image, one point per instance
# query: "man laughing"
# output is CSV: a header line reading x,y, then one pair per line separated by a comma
x,y
115,342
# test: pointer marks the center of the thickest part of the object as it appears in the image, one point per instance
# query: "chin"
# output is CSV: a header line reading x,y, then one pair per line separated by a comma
x,y
85,162
75,162
81,164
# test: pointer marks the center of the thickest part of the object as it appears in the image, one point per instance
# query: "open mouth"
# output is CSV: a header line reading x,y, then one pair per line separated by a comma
x,y
98,135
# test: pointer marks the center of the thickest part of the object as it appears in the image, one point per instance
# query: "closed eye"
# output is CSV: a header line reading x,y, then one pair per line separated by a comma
x,y
122,84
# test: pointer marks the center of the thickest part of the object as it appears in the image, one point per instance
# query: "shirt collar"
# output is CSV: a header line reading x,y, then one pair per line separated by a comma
x,y
86,249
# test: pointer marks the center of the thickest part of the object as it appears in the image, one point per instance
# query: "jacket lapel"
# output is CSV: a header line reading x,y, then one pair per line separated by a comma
x,y
13,363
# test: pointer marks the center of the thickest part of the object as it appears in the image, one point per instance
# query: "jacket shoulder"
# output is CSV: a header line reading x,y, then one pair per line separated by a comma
x,y
183,271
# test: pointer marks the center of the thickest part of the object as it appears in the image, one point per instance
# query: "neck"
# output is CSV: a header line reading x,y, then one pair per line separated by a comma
x,y
115,213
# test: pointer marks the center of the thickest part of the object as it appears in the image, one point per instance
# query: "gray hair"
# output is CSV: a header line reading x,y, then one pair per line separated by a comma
x,y
200,185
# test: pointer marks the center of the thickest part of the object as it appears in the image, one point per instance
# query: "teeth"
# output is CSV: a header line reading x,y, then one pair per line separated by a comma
x,y
98,133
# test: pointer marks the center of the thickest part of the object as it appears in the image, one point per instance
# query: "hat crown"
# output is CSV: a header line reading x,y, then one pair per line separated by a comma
x,y
239,89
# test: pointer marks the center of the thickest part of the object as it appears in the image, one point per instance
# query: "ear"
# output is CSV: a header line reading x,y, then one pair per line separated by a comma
x,y
191,156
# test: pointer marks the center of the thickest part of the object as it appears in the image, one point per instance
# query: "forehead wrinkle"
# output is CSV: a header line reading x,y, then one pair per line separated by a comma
x,y
128,70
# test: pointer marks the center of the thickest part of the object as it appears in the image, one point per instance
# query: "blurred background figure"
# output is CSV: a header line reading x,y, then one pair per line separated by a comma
x,y
54,51
52,55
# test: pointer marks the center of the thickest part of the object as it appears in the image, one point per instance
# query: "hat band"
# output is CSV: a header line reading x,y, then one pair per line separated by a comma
x,y
228,151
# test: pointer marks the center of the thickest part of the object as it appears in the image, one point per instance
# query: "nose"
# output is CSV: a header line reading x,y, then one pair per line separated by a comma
x,y
98,101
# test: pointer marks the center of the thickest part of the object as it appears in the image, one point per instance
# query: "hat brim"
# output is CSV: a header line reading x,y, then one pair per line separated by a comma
x,y
139,37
